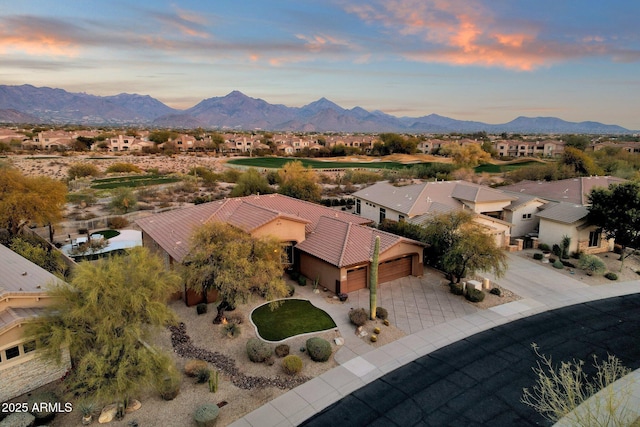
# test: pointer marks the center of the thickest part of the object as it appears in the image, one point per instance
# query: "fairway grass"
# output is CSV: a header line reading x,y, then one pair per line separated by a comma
x,y
279,162
293,317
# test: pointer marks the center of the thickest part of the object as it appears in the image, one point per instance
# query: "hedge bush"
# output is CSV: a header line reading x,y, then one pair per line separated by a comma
x,y
544,247
537,256
258,350
611,276
319,349
474,295
591,264
358,316
558,264
292,364
496,291
456,288
192,367
382,313
205,415
282,350
201,308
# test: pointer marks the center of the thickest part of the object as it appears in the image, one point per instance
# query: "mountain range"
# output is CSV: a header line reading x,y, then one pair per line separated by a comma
x,y
43,105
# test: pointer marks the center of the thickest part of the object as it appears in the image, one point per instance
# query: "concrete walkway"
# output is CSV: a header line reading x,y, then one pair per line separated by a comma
x,y
360,364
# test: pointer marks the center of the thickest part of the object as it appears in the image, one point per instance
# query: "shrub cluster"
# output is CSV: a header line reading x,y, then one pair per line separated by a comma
x,y
456,288
203,375
232,330
611,276
382,313
292,364
474,295
205,415
537,256
123,168
318,349
193,366
358,316
258,350
282,350
118,222
201,308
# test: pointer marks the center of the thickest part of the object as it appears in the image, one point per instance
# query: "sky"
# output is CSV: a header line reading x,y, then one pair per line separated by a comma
x,y
483,60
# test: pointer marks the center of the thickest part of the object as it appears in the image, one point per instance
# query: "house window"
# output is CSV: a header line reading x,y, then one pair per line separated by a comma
x,y
526,216
12,352
594,238
383,214
358,206
28,347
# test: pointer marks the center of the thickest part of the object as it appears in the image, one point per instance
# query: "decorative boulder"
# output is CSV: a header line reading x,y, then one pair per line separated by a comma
x,y
108,413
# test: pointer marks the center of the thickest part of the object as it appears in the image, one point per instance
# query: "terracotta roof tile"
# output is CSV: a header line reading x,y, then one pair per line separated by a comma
x,y
572,190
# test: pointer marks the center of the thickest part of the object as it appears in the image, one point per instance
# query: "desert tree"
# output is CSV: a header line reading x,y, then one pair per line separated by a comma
x,y
105,316
251,182
617,210
234,263
299,182
29,200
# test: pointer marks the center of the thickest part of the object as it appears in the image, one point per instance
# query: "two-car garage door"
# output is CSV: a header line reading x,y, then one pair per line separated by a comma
x,y
387,271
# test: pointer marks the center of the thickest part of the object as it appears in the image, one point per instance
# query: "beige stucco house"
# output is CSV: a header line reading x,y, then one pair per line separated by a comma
x,y
331,246
23,296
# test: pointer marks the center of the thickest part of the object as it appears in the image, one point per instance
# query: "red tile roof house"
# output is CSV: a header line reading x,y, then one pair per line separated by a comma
x,y
23,296
333,246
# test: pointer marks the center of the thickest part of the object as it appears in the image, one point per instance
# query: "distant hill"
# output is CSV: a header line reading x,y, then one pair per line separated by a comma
x,y
30,104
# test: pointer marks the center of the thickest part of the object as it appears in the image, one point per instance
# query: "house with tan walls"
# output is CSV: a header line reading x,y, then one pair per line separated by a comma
x,y
417,202
23,296
321,243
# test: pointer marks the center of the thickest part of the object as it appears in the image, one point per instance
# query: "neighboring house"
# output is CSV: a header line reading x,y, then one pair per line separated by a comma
x,y
415,202
565,211
22,297
332,246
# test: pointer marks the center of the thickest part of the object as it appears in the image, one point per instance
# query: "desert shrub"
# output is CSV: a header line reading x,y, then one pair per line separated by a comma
x,y
118,222
258,350
561,388
44,414
611,276
568,263
201,308
456,288
544,247
358,316
558,264
318,349
237,318
169,385
205,415
292,289
192,367
552,260
496,291
123,168
537,256
474,295
382,313
203,375
282,350
232,330
373,338
81,170
302,281
292,364
591,264
269,361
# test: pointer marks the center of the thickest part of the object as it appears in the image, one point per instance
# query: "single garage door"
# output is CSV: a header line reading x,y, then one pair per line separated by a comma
x,y
394,269
356,279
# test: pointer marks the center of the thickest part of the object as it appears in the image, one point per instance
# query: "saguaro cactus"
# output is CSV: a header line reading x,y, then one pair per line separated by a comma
x,y
373,279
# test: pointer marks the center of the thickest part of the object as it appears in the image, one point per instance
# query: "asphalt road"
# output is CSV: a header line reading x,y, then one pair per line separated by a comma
x,y
478,381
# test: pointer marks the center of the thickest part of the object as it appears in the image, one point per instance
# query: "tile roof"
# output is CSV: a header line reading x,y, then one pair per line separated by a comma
x,y
572,190
18,275
417,199
344,244
567,213
172,230
14,316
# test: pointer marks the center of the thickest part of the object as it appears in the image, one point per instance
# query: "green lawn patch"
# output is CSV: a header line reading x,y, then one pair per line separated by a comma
x,y
293,317
133,181
503,168
279,162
